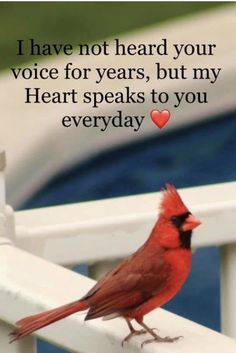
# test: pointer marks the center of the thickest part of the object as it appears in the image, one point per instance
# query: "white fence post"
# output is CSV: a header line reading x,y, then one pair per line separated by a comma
x,y
6,231
228,289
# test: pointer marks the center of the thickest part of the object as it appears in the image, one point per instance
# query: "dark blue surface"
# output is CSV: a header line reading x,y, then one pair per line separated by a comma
x,y
194,156
198,155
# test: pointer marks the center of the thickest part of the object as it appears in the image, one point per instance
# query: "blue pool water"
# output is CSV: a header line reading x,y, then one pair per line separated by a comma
x,y
197,155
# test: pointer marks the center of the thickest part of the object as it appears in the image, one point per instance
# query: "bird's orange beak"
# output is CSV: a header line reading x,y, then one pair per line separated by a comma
x,y
190,223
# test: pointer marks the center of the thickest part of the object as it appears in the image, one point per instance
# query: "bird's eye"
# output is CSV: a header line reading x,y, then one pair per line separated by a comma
x,y
177,221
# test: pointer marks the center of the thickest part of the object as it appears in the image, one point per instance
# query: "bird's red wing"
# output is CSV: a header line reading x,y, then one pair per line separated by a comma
x,y
114,304
129,285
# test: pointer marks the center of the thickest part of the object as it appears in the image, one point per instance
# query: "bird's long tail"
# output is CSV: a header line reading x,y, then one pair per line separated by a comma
x,y
34,322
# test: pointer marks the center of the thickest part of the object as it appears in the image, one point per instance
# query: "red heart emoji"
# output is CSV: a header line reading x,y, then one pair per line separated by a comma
x,y
160,118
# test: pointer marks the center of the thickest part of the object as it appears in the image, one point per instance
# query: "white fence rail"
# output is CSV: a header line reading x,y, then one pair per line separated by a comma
x,y
30,284
117,226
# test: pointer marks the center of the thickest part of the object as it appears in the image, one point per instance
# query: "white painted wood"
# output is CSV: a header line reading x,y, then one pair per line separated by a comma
x,y
113,228
6,233
27,345
29,284
7,226
37,129
228,289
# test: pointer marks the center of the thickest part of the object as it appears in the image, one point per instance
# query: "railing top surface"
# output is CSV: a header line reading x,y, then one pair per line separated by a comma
x,y
29,284
118,226
200,198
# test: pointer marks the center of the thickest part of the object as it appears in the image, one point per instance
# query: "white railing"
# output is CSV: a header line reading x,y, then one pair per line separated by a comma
x,y
7,229
99,232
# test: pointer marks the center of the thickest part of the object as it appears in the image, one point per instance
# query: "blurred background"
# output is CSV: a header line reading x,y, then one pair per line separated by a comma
x,y
81,22
190,155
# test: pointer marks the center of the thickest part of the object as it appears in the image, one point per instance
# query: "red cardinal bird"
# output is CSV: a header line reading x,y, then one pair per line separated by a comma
x,y
140,283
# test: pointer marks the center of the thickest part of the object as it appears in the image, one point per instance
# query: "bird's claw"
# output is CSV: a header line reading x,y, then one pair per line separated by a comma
x,y
131,334
135,333
159,339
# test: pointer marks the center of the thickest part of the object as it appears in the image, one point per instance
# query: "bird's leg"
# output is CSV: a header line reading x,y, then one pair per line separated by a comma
x,y
133,332
157,338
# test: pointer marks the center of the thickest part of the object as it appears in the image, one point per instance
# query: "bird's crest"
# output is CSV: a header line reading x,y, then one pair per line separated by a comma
x,y
172,204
